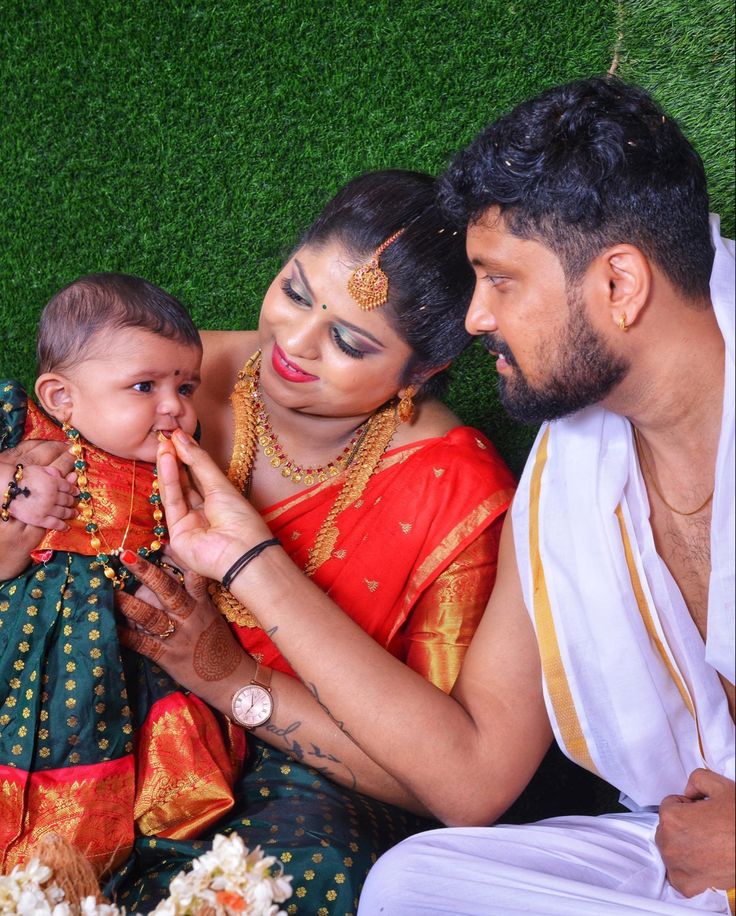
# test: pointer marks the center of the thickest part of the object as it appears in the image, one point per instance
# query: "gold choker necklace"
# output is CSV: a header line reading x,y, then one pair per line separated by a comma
x,y
290,469
647,472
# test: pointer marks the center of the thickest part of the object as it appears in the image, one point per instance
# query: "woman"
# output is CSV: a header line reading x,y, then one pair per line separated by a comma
x,y
373,488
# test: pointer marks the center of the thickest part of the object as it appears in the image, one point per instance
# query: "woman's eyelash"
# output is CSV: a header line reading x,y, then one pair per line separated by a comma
x,y
345,347
291,292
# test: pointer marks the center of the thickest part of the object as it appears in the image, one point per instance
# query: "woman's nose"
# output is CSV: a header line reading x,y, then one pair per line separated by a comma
x,y
301,338
480,317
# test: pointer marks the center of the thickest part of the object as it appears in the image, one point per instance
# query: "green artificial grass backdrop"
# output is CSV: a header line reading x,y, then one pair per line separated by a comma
x,y
190,143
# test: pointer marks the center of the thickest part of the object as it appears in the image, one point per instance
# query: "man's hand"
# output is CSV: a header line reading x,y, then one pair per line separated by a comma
x,y
696,835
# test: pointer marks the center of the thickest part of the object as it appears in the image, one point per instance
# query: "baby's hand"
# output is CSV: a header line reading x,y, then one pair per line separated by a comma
x,y
51,498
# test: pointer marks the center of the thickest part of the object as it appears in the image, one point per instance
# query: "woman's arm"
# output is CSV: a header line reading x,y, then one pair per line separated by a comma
x,y
204,656
466,757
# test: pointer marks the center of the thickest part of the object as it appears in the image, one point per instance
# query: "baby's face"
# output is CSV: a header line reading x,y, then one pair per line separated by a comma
x,y
134,384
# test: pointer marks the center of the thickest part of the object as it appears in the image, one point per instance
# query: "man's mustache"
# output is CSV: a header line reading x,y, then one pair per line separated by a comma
x,y
496,345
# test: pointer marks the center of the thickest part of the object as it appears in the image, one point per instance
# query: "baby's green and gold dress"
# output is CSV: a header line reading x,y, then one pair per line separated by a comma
x,y
96,744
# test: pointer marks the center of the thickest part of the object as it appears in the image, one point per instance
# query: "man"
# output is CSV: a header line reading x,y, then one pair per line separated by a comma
x,y
611,623
588,231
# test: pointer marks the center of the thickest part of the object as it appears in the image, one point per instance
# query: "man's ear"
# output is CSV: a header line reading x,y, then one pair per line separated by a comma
x,y
54,393
622,278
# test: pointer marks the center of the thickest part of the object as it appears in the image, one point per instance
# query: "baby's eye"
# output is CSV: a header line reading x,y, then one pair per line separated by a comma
x,y
187,389
145,387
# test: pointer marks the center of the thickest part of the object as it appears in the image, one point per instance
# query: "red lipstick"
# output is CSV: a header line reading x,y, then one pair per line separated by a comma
x,y
288,370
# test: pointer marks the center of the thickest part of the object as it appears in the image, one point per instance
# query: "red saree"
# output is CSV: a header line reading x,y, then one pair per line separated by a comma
x,y
415,560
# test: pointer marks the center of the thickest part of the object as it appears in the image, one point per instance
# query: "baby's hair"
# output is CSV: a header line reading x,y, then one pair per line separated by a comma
x,y
106,301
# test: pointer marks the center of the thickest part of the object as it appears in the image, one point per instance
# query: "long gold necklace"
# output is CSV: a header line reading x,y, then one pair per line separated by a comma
x,y
86,513
653,480
373,439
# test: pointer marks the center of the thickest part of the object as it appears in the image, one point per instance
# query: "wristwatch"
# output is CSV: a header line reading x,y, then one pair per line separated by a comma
x,y
252,705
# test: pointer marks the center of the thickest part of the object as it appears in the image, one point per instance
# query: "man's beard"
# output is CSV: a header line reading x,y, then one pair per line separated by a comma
x,y
583,372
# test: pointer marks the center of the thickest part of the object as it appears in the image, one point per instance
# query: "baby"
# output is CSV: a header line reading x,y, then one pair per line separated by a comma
x,y
95,743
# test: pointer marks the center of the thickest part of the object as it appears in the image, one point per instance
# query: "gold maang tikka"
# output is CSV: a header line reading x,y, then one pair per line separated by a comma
x,y
368,284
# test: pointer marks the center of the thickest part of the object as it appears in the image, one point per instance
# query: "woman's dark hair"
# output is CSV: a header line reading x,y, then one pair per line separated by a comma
x,y
99,302
430,280
587,165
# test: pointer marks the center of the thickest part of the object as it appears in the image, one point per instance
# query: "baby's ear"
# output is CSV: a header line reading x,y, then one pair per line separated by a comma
x,y
54,393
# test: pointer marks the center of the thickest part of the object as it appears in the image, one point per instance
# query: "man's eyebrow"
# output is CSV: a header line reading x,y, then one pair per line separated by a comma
x,y
303,278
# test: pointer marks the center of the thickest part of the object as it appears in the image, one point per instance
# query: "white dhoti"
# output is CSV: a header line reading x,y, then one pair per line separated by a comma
x,y
632,692
591,866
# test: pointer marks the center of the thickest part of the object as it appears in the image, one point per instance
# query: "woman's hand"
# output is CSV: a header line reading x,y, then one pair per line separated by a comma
x,y
186,635
210,524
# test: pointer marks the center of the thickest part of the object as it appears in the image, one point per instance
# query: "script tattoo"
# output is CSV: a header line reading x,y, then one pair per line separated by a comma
x,y
312,688
216,654
295,750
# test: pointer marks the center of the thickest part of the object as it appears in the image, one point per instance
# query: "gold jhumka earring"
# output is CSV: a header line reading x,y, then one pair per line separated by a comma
x,y
405,407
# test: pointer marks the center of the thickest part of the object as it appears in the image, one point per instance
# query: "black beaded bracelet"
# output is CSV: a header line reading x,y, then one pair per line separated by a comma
x,y
14,489
240,564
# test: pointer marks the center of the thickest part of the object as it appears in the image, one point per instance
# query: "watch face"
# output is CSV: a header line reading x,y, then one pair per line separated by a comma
x,y
252,706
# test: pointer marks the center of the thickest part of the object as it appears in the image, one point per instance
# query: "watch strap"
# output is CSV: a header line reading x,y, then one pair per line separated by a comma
x,y
262,676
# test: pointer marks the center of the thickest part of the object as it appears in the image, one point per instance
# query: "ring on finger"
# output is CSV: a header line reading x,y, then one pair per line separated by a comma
x,y
169,631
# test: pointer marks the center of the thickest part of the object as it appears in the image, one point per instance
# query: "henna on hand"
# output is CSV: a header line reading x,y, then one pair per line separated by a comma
x,y
172,596
150,618
216,653
140,642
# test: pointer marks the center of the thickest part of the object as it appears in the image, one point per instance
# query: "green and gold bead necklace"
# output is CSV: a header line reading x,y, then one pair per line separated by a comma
x,y
86,513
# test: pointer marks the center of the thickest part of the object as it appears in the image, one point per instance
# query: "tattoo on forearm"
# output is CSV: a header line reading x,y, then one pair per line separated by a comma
x,y
216,654
296,751
272,632
312,688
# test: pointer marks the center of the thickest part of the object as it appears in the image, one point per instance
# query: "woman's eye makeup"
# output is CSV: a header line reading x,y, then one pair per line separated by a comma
x,y
292,293
343,345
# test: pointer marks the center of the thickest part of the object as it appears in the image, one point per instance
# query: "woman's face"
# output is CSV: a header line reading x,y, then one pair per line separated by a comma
x,y
322,354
